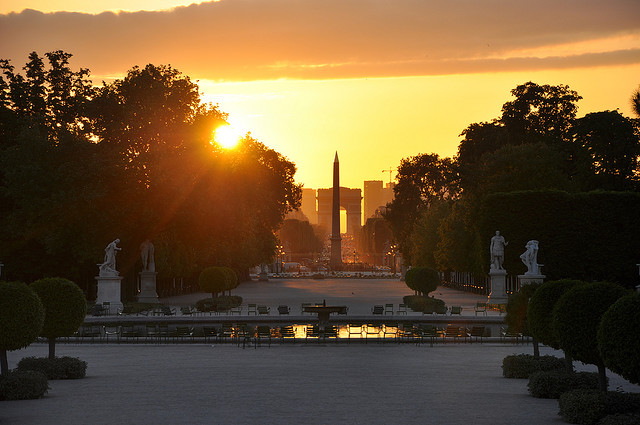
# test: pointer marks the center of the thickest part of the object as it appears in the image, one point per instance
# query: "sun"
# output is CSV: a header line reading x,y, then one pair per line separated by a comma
x,y
227,136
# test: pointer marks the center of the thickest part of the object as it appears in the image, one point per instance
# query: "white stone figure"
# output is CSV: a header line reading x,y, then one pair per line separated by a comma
x,y
497,251
530,258
146,252
108,268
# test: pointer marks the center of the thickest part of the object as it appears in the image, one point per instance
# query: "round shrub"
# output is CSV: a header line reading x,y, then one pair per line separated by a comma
x,y
213,280
408,278
621,419
516,318
21,319
582,406
619,338
577,315
540,309
232,278
23,385
57,368
520,366
553,383
426,280
589,406
64,305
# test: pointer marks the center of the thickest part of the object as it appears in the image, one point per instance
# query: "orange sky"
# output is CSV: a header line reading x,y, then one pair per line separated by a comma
x,y
373,79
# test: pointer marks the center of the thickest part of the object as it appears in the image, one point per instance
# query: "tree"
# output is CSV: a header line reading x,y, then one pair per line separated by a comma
x,y
517,318
635,102
424,239
576,320
65,308
422,179
540,113
21,319
213,280
612,148
299,236
619,338
522,167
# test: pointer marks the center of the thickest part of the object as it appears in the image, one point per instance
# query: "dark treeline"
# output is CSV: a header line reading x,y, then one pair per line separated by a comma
x,y
133,159
446,209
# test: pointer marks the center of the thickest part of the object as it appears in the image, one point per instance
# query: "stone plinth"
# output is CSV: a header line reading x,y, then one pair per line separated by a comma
x,y
109,289
148,292
527,279
498,293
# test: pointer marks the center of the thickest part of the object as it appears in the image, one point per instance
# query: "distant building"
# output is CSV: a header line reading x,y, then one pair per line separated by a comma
x,y
350,200
376,196
308,206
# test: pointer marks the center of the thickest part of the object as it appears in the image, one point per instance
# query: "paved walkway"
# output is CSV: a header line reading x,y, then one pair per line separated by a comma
x,y
447,384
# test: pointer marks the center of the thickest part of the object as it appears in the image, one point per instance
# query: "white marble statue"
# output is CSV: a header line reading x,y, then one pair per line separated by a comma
x,y
530,258
146,252
108,268
497,251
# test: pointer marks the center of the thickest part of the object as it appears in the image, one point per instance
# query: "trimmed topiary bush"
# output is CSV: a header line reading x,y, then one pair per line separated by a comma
x,y
408,278
21,319
521,366
213,280
621,419
553,383
540,309
65,308
582,406
222,303
576,320
426,280
619,338
590,406
23,385
57,368
421,303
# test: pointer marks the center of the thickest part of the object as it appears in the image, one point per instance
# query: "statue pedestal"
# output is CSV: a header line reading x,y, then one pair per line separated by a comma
x,y
109,288
148,292
498,293
527,279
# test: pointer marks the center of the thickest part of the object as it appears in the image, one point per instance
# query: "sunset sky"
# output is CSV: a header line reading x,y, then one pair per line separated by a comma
x,y
375,80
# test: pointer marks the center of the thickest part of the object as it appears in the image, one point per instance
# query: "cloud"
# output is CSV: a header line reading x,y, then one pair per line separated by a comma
x,y
240,40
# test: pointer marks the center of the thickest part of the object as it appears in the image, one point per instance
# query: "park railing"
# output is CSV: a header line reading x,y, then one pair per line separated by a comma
x,y
477,284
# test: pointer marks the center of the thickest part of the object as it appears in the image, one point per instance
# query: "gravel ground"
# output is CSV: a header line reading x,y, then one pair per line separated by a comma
x,y
446,384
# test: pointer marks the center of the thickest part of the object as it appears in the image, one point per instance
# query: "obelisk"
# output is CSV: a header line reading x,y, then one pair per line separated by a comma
x,y
336,241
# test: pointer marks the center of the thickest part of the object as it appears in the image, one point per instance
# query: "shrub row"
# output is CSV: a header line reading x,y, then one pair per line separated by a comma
x,y
553,383
420,303
222,303
588,407
23,385
521,366
57,368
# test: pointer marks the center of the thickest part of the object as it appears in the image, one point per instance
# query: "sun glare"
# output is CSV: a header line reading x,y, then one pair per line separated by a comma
x,y
227,136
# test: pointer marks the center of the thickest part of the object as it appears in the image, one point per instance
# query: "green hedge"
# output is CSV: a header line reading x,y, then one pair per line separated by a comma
x,y
421,303
222,303
553,383
521,366
23,385
57,368
587,407
595,240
